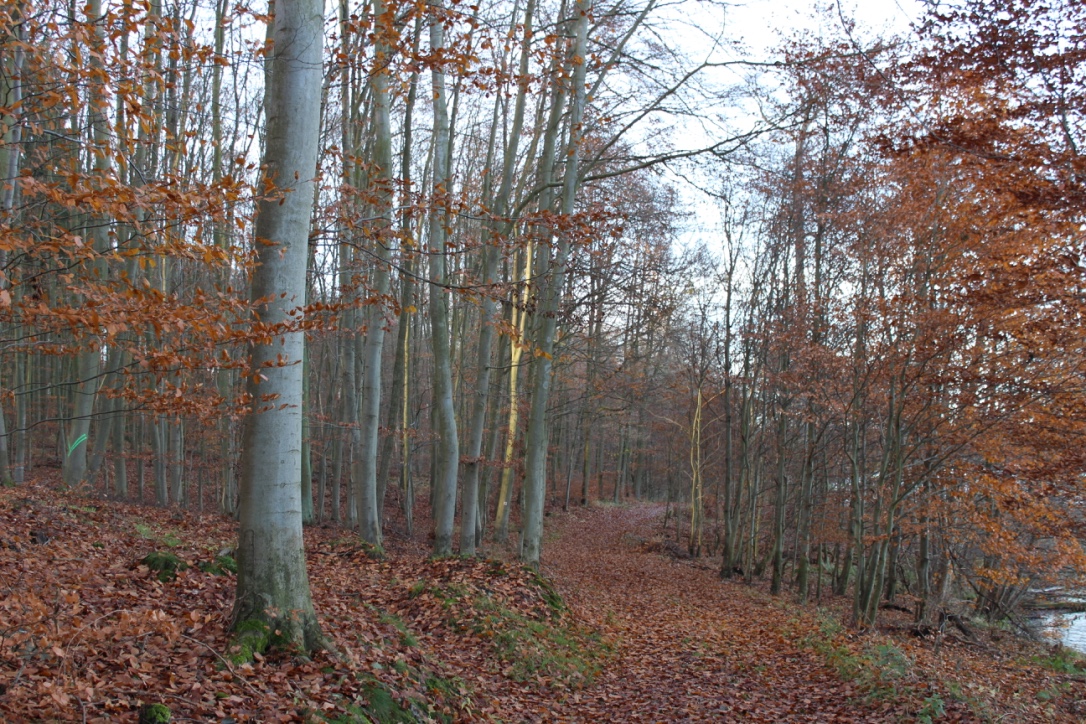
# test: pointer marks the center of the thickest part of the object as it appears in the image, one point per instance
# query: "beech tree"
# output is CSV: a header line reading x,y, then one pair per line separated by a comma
x,y
273,588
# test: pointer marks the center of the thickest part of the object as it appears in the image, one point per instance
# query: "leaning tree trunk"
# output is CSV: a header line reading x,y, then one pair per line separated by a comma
x,y
273,587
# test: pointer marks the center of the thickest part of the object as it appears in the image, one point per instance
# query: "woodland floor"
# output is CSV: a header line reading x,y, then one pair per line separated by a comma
x,y
89,633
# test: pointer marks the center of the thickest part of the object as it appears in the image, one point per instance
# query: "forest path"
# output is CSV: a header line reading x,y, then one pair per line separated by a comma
x,y
689,647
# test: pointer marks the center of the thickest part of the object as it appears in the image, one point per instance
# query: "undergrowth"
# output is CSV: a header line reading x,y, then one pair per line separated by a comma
x,y
527,627
881,671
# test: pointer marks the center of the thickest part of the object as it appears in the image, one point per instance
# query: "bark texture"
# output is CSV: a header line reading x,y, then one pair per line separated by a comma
x,y
273,587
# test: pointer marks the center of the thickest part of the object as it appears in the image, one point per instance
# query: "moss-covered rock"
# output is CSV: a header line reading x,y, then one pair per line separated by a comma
x,y
165,565
155,714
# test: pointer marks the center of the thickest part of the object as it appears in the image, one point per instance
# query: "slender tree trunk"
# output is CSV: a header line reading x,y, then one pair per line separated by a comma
x,y
369,518
159,450
697,509
89,360
448,448
779,508
11,68
306,478
224,378
489,315
176,431
516,347
536,434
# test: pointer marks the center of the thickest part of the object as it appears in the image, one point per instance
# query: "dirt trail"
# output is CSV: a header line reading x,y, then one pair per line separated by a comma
x,y
689,646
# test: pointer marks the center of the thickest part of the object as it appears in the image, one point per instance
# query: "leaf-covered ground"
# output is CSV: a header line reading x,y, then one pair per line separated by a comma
x,y
611,632
690,647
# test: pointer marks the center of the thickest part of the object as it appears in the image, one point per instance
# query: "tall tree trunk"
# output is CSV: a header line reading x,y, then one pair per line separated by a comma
x,y
272,585
489,316
535,478
448,448
369,517
516,348
224,378
11,69
697,508
306,478
74,467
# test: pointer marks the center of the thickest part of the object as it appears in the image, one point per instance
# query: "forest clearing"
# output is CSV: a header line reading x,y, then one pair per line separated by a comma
x,y
612,631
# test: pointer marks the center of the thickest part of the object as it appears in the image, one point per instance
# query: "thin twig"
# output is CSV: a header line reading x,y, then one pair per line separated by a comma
x,y
226,663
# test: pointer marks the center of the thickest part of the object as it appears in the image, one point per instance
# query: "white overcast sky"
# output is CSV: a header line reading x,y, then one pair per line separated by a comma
x,y
761,23
759,27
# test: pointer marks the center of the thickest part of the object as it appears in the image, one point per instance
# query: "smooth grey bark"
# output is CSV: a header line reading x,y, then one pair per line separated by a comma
x,y
536,435
224,378
401,365
74,468
120,463
306,480
516,349
11,133
177,461
444,411
158,449
369,517
273,586
489,314
22,436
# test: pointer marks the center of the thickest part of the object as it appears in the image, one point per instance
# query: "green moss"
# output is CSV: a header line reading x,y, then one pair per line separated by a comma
x,y
550,596
220,566
381,707
407,637
1062,661
434,699
375,552
168,539
447,688
252,624
445,691
450,594
155,714
166,565
250,637
417,588
547,649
